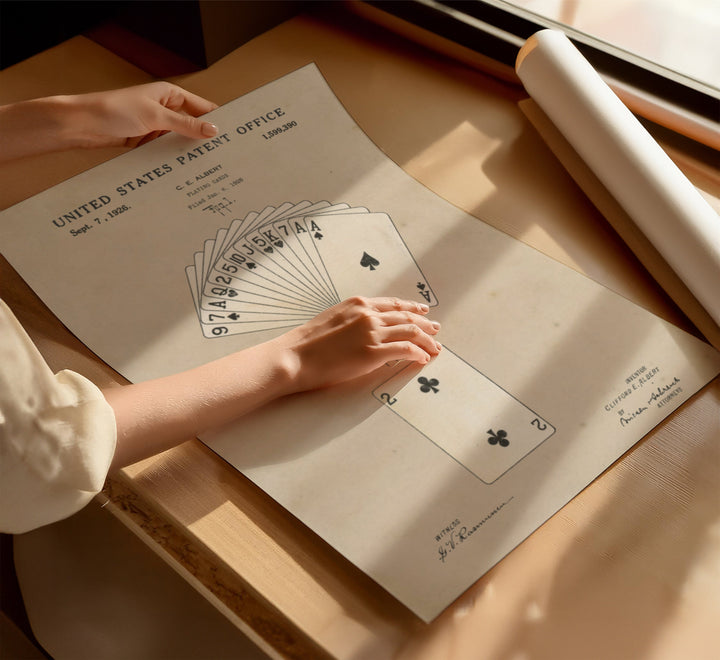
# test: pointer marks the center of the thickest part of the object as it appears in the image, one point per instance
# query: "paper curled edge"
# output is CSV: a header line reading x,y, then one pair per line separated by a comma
x,y
625,158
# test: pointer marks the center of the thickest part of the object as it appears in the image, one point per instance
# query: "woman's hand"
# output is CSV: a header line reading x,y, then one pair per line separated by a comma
x,y
131,116
122,117
356,337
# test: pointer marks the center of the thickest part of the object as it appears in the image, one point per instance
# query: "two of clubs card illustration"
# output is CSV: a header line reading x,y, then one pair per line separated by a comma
x,y
281,266
464,413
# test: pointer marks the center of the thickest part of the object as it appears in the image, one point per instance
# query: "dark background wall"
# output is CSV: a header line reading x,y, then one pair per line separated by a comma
x,y
200,31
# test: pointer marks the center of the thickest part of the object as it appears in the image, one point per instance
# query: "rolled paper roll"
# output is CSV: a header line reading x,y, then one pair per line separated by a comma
x,y
632,166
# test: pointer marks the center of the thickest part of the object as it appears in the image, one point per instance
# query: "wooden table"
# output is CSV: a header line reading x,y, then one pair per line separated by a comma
x,y
628,569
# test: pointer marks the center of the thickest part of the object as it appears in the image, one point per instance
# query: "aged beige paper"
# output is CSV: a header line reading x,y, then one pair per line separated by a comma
x,y
423,479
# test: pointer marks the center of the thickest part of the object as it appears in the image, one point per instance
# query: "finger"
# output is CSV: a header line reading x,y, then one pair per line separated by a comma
x,y
411,333
181,99
398,304
142,139
404,318
196,105
186,125
403,350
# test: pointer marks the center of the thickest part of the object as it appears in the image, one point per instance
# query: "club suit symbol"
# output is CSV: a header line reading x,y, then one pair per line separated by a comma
x,y
427,385
498,438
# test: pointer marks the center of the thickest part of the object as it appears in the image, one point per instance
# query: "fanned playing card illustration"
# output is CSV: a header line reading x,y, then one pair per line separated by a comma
x,y
281,266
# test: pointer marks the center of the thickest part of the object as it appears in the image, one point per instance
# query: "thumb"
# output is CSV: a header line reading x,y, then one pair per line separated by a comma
x,y
192,127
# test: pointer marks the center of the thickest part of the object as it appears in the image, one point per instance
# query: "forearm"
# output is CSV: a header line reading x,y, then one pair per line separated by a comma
x,y
123,117
39,126
159,414
345,342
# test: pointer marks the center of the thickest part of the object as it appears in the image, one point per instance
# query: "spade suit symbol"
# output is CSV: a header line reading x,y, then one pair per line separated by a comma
x,y
369,262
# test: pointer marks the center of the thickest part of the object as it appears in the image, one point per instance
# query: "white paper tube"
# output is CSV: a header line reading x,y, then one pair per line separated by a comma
x,y
664,205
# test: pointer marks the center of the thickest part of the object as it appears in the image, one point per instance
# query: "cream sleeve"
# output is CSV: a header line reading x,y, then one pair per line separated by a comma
x,y
57,435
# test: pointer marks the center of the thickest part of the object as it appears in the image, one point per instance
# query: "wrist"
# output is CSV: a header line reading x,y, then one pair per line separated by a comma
x,y
285,365
70,121
38,126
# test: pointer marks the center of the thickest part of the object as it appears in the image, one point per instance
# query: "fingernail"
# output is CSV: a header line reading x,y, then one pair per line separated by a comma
x,y
423,308
209,130
438,346
435,325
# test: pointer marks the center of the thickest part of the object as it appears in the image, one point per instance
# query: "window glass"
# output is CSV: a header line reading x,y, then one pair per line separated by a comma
x,y
679,35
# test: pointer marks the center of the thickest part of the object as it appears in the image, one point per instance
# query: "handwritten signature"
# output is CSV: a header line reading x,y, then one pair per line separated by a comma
x,y
661,391
461,534
626,419
658,397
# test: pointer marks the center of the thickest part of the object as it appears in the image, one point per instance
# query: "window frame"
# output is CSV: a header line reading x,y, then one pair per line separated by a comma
x,y
495,29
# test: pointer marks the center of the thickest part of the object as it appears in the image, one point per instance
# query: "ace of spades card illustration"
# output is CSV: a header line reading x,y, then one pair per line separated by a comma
x,y
367,256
